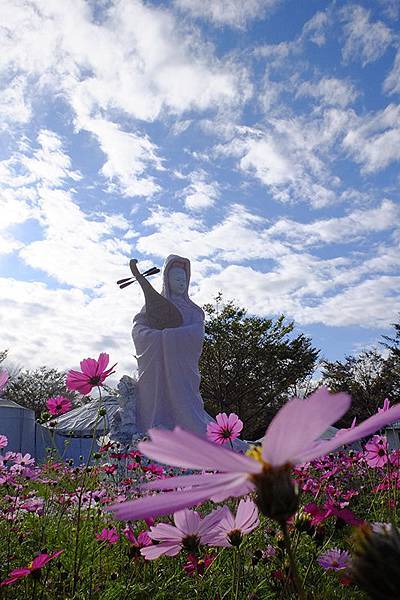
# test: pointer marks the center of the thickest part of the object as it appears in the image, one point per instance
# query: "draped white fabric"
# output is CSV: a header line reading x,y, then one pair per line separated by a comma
x,y
169,378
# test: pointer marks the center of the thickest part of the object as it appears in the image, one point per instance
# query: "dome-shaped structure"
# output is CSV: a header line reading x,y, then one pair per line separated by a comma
x,y
83,420
73,433
18,424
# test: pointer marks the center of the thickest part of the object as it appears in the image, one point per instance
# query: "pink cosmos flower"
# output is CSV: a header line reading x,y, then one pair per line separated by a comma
x,y
230,530
110,536
386,405
225,429
38,563
141,541
3,379
58,405
334,560
3,441
24,460
93,374
291,439
376,451
189,531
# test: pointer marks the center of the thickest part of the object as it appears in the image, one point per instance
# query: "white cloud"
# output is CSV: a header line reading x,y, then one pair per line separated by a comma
x,y
329,90
392,81
137,58
374,140
76,249
372,303
60,327
15,107
315,28
128,156
292,156
234,13
339,229
200,194
364,39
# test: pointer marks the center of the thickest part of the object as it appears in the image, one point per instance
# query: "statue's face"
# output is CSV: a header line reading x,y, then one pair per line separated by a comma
x,y
177,280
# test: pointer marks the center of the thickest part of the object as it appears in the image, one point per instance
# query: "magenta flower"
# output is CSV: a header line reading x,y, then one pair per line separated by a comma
x,y
143,539
3,379
334,560
189,531
230,530
110,536
386,405
291,439
3,441
38,563
376,450
225,429
58,405
93,374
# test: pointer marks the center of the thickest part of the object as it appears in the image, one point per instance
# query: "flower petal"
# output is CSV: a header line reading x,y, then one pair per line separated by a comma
x,y
155,551
184,481
365,429
183,449
170,502
102,363
299,423
89,366
246,516
187,521
165,532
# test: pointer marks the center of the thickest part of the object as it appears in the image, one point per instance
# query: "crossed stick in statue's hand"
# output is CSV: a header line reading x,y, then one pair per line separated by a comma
x,y
123,283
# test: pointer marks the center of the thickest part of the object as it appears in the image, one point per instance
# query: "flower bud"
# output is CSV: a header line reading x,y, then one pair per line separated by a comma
x,y
277,494
376,563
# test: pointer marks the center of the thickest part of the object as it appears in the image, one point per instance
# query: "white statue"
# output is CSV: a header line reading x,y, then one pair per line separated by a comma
x,y
168,346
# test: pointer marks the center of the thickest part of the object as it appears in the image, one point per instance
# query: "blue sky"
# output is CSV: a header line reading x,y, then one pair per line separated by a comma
x,y
260,139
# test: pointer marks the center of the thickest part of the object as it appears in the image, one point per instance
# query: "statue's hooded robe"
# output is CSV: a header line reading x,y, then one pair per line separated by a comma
x,y
168,359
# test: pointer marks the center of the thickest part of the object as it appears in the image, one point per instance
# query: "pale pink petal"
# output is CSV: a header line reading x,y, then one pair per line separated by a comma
x,y
227,524
234,423
365,429
187,521
153,552
222,420
102,363
169,502
183,449
240,487
184,481
210,522
299,422
246,516
164,532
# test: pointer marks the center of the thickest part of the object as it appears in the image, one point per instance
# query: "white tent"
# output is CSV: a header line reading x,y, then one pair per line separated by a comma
x,y
18,424
73,433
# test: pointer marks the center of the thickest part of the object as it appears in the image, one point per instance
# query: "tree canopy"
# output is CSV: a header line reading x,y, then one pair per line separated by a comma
x,y
251,365
32,388
369,378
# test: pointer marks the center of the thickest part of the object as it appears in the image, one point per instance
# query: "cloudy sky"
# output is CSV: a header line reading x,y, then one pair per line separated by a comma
x,y
261,139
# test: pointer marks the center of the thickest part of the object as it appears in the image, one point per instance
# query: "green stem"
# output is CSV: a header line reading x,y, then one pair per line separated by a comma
x,y
293,568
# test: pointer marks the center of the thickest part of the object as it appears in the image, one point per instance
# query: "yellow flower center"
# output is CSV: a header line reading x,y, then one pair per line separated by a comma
x,y
255,452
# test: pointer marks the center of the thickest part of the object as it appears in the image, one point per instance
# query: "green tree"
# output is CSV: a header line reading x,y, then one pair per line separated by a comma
x,y
3,355
393,343
368,377
33,388
251,365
